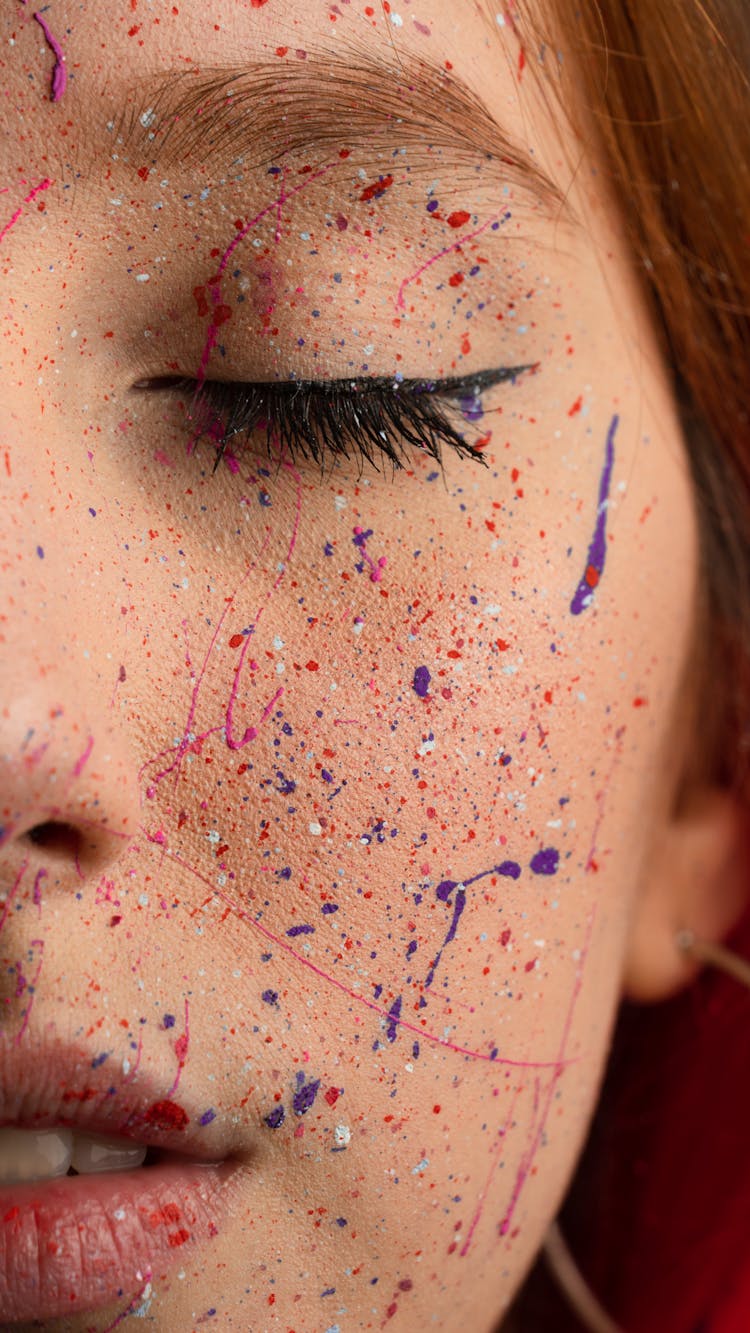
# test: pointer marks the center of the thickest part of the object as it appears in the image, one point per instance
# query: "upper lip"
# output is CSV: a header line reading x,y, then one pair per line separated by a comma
x,y
46,1084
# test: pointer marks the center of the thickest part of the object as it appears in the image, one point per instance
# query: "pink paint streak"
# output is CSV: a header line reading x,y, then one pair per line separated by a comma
x,y
59,72
80,763
449,250
43,185
382,1011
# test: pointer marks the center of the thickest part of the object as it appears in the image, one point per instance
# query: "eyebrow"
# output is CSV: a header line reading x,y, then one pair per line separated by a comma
x,y
261,111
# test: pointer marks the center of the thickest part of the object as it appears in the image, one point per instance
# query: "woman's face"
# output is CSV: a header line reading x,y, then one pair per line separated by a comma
x,y
327,791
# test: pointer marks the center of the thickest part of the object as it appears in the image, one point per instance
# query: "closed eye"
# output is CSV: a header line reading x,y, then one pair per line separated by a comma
x,y
370,419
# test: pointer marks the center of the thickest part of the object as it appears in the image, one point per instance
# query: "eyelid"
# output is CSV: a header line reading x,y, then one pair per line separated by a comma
x,y
374,418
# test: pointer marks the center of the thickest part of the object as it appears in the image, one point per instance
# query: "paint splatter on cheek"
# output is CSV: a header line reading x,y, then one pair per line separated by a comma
x,y
584,594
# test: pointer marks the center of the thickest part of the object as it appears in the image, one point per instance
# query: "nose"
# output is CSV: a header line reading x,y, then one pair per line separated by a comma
x,y
68,789
69,793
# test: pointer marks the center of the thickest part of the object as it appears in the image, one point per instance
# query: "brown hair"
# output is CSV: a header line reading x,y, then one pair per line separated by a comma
x,y
659,91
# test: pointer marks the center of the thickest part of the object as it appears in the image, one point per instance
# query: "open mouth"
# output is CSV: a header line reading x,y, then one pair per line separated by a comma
x,y
31,1155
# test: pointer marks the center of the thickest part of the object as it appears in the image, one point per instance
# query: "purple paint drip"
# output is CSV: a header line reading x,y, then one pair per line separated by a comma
x,y
394,1015
597,556
59,72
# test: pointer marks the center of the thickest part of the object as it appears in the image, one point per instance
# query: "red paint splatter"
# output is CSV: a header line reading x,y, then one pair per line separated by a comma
x,y
377,188
592,576
166,1115
575,409
199,294
332,1096
455,280
160,1216
236,640
258,4
459,218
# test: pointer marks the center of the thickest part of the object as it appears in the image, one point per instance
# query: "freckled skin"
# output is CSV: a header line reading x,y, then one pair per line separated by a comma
x,y
363,808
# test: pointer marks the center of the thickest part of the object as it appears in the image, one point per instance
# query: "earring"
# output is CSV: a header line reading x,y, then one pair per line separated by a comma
x,y
568,1276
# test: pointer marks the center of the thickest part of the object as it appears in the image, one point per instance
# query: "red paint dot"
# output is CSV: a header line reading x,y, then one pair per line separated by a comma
x,y
258,4
455,280
592,576
332,1096
436,1109
312,666
236,640
459,218
375,190
166,1115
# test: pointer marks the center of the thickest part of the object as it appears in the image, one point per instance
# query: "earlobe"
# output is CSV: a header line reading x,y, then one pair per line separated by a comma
x,y
697,879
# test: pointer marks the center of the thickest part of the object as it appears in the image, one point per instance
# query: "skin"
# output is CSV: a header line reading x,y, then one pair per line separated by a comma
x,y
450,1164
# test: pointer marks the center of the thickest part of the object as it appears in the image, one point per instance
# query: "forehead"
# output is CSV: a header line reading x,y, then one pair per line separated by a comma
x,y
263,77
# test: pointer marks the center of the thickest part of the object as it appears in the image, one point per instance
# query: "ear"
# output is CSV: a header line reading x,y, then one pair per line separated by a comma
x,y
697,879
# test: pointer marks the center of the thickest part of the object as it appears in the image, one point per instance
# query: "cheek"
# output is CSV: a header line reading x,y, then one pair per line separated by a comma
x,y
380,713
394,758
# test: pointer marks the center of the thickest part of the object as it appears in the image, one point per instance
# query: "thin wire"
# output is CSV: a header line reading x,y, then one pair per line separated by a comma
x,y
579,1295
716,955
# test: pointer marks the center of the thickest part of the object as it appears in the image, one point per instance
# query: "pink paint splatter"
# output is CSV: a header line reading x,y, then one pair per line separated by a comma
x,y
59,72
80,763
493,222
376,568
43,185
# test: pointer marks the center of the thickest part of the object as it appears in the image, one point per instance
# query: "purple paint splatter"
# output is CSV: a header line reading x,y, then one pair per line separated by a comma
x,y
305,1095
584,593
546,861
421,683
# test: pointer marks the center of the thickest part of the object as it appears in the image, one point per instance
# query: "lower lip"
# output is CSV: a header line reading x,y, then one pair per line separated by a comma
x,y
78,1243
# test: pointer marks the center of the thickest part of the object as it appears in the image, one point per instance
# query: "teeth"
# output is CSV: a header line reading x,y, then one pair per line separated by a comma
x,y
105,1152
27,1154
44,1154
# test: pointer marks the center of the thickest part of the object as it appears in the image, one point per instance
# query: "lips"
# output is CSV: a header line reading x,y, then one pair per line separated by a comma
x,y
78,1242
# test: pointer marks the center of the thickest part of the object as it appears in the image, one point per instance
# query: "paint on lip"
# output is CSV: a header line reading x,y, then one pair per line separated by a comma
x,y
80,1242
584,594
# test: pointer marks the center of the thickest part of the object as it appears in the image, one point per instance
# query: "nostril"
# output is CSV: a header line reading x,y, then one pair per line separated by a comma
x,y
56,837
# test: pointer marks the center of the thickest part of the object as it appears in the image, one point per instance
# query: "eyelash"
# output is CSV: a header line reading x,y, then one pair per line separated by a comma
x,y
373,419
